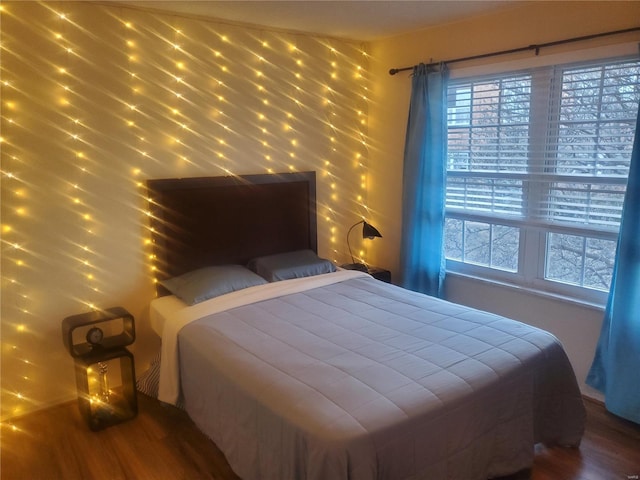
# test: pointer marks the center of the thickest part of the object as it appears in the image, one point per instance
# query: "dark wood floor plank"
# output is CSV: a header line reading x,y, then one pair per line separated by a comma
x,y
610,449
162,443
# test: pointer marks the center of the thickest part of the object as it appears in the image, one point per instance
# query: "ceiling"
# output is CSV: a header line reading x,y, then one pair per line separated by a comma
x,y
356,19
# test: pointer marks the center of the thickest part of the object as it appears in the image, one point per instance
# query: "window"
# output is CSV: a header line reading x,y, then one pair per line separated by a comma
x,y
536,174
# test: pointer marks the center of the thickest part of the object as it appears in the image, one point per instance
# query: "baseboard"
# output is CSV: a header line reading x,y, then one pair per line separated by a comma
x,y
596,401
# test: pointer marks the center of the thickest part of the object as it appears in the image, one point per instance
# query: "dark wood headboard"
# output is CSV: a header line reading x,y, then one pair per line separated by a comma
x,y
205,221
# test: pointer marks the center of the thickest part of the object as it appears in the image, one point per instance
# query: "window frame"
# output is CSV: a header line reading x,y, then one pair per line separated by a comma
x,y
533,238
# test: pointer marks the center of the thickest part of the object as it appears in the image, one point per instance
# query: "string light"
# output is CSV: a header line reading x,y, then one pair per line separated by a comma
x,y
16,250
188,101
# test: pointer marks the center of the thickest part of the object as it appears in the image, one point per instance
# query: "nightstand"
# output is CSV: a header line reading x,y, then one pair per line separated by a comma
x,y
380,274
376,272
96,340
100,405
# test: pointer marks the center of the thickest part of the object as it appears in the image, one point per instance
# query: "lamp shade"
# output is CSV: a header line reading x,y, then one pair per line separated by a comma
x,y
368,231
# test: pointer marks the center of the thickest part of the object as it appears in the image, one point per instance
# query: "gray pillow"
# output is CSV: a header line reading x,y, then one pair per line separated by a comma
x,y
298,264
209,282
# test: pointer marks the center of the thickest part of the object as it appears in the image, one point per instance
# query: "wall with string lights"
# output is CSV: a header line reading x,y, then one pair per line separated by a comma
x,y
95,100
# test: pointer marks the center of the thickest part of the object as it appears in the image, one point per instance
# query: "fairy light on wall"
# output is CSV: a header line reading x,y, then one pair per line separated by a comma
x,y
330,106
221,95
15,246
263,89
13,242
131,106
135,122
139,95
346,126
300,85
18,257
295,109
362,112
360,120
177,103
135,115
78,151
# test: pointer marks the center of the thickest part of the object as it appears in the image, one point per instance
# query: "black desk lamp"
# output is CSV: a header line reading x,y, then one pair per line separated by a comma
x,y
368,231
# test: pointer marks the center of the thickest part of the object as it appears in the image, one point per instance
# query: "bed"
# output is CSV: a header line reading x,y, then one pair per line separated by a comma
x,y
329,373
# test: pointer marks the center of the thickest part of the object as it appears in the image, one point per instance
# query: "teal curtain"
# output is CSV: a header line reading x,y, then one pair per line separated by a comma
x,y
422,261
616,367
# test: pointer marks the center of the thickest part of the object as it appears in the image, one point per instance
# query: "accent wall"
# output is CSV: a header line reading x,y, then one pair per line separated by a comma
x,y
98,98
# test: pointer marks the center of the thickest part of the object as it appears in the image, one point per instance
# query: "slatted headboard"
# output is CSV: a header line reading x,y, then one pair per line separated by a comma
x,y
206,221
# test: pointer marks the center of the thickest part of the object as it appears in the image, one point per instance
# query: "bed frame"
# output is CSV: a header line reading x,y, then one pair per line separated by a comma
x,y
221,220
204,221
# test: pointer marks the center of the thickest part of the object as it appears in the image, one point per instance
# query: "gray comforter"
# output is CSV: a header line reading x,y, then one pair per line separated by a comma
x,y
365,380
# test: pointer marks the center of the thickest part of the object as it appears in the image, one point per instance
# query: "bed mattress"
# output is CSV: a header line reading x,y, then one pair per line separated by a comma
x,y
359,379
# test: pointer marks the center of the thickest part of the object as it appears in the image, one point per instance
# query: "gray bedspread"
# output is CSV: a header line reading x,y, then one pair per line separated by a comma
x,y
365,380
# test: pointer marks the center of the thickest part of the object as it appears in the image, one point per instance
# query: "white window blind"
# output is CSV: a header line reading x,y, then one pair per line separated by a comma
x,y
488,144
590,140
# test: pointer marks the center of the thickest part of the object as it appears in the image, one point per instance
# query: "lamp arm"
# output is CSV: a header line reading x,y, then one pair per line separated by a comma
x,y
348,244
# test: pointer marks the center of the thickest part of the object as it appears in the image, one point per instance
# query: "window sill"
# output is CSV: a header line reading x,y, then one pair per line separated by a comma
x,y
530,291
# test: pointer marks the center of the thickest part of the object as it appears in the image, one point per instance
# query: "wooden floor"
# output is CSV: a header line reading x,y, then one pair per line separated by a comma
x,y
162,443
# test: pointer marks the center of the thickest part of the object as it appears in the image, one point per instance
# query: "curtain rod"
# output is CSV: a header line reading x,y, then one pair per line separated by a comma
x,y
537,48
